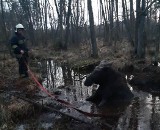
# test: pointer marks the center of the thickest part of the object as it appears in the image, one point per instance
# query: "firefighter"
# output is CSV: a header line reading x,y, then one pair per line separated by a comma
x,y
18,44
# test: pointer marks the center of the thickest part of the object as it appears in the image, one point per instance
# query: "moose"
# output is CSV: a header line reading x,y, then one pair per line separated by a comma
x,y
112,88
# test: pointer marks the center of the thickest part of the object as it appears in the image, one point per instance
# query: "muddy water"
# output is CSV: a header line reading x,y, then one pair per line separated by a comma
x,y
143,113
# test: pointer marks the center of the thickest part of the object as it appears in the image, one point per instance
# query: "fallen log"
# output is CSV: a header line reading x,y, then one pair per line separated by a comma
x,y
51,109
44,107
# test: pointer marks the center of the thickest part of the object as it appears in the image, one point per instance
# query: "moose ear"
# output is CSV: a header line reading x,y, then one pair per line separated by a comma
x,y
110,64
104,63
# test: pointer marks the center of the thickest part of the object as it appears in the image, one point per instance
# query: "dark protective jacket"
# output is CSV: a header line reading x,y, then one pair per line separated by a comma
x,y
18,43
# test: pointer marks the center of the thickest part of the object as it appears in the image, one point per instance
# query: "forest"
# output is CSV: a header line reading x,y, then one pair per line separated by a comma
x,y
67,39
67,23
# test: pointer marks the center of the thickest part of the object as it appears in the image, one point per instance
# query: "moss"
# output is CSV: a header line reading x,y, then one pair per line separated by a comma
x,y
85,64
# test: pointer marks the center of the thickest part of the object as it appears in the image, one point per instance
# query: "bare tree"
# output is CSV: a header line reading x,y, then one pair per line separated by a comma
x,y
92,30
3,21
132,18
106,31
126,22
141,46
117,22
45,22
68,24
26,6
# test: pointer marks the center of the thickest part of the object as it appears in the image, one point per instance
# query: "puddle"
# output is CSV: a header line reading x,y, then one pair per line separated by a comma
x,y
142,113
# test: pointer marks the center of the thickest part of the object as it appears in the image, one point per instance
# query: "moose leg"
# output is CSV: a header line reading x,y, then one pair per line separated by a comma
x,y
97,96
106,96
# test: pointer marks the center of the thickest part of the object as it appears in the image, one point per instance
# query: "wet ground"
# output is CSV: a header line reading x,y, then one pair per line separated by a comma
x,y
143,113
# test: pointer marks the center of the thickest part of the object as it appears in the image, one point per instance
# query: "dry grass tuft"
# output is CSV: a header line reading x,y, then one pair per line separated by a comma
x,y
26,85
19,109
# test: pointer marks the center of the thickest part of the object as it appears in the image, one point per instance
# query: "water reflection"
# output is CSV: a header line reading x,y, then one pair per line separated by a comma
x,y
52,74
142,113
62,76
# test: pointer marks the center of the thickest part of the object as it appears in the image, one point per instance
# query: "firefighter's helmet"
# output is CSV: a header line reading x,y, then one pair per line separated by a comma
x,y
19,26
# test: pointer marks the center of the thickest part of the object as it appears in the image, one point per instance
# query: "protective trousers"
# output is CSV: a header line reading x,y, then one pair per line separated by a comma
x,y
23,62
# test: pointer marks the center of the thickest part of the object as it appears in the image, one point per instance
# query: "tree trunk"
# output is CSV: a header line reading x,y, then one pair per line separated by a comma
x,y
126,23
92,30
157,39
106,33
3,22
137,25
61,24
117,23
77,22
45,23
68,24
132,18
141,46
111,4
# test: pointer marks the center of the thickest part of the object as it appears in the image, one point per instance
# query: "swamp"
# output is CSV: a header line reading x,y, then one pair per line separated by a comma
x,y
50,57
26,105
